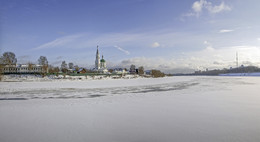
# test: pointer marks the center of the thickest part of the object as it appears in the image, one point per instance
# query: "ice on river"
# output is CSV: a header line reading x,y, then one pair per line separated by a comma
x,y
183,109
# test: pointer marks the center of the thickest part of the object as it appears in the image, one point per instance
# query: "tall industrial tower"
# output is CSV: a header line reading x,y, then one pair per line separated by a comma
x,y
237,59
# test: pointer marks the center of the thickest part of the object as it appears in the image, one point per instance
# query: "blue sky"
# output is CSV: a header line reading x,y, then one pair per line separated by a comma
x,y
174,36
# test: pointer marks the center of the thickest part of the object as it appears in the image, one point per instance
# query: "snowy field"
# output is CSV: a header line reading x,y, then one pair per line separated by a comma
x,y
172,109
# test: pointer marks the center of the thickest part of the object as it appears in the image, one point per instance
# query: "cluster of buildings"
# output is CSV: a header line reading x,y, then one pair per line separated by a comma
x,y
100,64
100,67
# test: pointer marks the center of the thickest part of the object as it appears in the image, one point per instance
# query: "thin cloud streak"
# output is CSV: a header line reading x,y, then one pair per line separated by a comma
x,y
125,39
226,31
59,42
123,50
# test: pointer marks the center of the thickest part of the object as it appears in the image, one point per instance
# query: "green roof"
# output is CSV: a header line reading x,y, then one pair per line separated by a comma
x,y
102,60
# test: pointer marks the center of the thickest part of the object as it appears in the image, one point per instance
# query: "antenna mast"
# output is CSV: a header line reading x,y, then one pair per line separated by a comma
x,y
237,59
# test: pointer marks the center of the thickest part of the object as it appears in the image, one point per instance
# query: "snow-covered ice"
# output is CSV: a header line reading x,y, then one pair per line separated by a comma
x,y
182,109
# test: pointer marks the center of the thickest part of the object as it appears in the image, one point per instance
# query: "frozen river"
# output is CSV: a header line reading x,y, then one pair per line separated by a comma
x,y
182,109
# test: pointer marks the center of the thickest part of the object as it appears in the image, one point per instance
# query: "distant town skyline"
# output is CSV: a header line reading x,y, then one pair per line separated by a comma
x,y
173,36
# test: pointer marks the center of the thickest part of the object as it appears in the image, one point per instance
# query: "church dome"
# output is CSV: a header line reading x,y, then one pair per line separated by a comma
x,y
102,60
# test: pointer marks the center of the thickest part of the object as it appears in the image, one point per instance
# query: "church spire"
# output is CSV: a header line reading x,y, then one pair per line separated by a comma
x,y
97,62
97,50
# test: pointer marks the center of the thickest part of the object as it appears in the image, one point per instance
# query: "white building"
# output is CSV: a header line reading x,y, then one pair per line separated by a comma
x,y
97,62
119,71
23,69
100,65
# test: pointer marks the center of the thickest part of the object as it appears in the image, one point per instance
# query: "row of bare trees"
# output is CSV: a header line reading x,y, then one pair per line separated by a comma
x,y
134,70
66,67
140,71
157,73
9,58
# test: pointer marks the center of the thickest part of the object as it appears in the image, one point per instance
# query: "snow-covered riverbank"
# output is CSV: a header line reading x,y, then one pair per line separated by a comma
x,y
61,78
183,109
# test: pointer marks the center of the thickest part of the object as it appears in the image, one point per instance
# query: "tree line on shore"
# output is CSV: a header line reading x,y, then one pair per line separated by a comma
x,y
241,69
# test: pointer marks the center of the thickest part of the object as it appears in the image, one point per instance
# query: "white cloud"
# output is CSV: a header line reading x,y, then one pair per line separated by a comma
x,y
258,39
225,31
151,63
225,57
207,58
155,45
208,46
217,8
123,50
199,6
188,15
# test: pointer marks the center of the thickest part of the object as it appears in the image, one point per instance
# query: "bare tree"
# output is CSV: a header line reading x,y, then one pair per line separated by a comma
x,y
76,67
9,58
1,68
141,70
54,70
1,60
71,65
1,71
51,69
43,60
132,69
157,73
64,67
30,66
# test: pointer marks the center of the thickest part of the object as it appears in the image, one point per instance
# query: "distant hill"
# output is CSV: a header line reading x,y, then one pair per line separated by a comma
x,y
241,69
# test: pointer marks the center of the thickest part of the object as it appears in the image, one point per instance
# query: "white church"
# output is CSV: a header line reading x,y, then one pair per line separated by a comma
x,y
100,64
